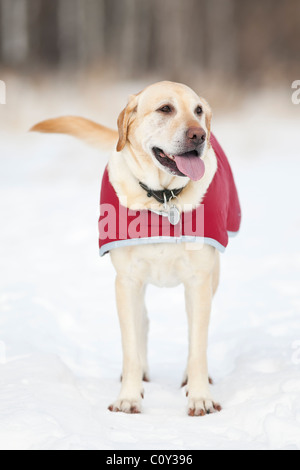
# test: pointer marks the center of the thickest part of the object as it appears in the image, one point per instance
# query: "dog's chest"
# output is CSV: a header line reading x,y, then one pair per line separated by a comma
x,y
164,265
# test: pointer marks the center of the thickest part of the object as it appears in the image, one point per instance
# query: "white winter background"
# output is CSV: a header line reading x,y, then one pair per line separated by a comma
x,y
60,349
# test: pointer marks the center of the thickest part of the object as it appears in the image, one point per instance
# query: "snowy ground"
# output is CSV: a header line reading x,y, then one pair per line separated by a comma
x,y
60,353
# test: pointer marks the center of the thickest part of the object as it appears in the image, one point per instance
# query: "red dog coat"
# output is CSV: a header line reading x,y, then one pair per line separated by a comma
x,y
216,218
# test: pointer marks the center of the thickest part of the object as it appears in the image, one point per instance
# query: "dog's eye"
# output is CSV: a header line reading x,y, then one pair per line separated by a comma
x,y
166,109
199,110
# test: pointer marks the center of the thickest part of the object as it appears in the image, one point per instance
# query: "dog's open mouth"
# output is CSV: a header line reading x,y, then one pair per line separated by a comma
x,y
188,164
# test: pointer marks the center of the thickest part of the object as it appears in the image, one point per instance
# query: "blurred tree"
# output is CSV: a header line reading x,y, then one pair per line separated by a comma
x,y
14,32
245,40
221,36
68,31
42,25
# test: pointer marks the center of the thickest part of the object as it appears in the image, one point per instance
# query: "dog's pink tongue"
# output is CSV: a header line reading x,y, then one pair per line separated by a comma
x,y
193,167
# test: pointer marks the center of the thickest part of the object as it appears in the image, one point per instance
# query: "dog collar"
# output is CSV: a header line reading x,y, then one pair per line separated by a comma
x,y
161,196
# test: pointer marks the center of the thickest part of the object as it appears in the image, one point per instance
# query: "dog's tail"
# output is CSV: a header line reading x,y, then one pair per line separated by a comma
x,y
92,133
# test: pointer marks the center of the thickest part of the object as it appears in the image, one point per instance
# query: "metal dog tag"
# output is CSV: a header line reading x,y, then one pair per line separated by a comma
x,y
173,215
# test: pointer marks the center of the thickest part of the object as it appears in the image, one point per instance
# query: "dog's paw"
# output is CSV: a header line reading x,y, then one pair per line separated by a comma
x,y
146,377
202,407
185,381
130,406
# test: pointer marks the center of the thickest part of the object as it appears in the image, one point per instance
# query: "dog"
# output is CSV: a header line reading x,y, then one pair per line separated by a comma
x,y
164,161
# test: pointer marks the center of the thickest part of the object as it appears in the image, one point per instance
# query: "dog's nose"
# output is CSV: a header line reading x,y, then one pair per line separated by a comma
x,y
196,134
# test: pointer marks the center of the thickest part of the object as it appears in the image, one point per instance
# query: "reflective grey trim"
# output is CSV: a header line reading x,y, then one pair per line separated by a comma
x,y
151,240
232,234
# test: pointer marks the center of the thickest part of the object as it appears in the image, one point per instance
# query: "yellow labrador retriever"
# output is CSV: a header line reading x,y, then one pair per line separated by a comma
x,y
163,160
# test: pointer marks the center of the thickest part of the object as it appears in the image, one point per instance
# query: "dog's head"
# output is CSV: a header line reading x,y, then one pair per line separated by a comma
x,y
169,123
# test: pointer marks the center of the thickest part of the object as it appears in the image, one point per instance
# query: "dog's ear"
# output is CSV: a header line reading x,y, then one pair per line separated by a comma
x,y
208,118
123,121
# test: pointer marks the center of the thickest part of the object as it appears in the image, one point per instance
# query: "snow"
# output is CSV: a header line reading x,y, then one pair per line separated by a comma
x,y
60,349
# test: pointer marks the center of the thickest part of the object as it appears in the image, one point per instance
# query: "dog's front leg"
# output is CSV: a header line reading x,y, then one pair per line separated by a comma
x,y
198,305
128,293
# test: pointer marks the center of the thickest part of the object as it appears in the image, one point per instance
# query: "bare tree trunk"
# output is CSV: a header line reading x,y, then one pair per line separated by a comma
x,y
221,35
197,28
33,20
1,34
144,35
14,32
173,19
90,31
128,39
68,31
